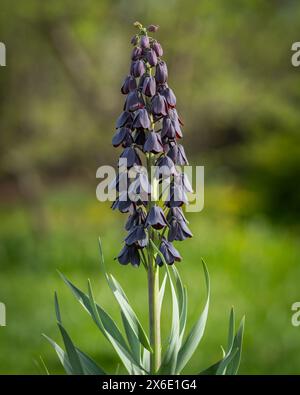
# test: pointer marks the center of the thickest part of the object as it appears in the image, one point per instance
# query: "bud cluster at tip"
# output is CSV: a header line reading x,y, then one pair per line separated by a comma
x,y
150,125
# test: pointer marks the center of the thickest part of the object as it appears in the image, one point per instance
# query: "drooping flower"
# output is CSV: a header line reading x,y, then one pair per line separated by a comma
x,y
129,85
141,119
152,57
153,143
124,119
177,154
149,86
137,68
152,28
161,72
156,218
158,49
122,136
137,235
169,96
133,101
178,225
129,254
159,105
131,157
136,53
144,43
169,253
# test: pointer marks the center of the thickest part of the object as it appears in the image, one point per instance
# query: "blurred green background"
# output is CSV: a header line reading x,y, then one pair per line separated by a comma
x,y
229,64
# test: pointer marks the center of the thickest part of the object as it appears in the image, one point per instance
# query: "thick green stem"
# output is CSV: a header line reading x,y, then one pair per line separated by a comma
x,y
153,297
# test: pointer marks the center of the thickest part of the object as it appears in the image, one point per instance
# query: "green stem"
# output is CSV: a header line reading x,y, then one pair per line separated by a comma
x,y
153,296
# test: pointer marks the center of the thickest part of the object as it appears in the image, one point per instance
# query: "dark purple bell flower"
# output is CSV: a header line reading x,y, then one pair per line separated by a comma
x,y
137,68
169,96
152,58
176,196
161,72
168,129
153,143
129,85
149,86
131,156
178,225
158,49
124,119
175,122
129,254
144,43
152,28
136,218
137,235
122,203
165,167
133,101
136,53
141,119
159,105
177,154
122,136
169,252
156,218
140,137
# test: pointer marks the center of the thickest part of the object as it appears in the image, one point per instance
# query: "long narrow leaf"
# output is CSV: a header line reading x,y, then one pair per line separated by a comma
x,y
62,356
195,336
233,367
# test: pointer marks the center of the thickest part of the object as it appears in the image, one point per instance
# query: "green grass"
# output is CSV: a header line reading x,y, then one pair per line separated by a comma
x,y
253,266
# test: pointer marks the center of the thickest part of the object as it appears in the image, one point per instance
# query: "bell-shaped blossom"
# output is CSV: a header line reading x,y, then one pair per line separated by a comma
x,y
129,85
169,96
122,136
144,43
159,105
138,68
149,86
133,101
169,253
156,218
158,49
161,72
129,254
136,53
125,119
141,119
178,225
177,154
153,143
137,235
152,58
131,156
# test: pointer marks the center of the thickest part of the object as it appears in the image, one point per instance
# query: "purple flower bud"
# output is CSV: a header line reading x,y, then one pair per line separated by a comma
x,y
177,195
158,49
129,85
137,235
144,43
169,96
153,143
178,225
131,156
177,154
129,254
137,68
169,252
122,135
141,119
149,86
156,218
152,58
161,72
134,40
124,119
136,53
133,101
152,28
159,105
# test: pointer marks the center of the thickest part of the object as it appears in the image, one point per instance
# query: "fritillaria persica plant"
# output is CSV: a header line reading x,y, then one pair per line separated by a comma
x,y
149,130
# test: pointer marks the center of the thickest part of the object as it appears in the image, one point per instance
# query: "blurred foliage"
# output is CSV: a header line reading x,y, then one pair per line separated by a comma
x,y
229,65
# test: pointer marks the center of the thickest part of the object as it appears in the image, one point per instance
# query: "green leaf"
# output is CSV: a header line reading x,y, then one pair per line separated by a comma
x,y
233,367
62,356
57,311
128,312
71,351
169,362
133,340
89,365
196,334
231,330
109,328
162,293
182,299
